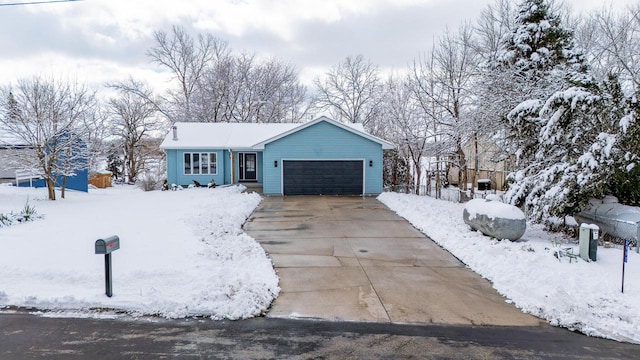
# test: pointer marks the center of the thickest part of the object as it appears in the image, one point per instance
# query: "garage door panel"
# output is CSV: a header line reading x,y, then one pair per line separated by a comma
x,y
327,177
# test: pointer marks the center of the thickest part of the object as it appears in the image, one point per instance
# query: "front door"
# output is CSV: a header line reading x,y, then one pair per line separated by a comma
x,y
248,166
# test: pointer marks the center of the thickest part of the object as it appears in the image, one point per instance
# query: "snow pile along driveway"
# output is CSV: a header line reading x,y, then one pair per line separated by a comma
x,y
577,295
182,253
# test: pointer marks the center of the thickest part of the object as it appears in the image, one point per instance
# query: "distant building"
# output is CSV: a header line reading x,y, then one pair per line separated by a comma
x,y
17,156
494,164
12,155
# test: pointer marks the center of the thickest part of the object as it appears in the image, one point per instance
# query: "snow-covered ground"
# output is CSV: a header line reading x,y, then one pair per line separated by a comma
x,y
581,296
182,253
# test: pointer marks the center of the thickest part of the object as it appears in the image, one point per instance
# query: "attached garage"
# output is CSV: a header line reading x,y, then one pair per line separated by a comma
x,y
323,157
323,177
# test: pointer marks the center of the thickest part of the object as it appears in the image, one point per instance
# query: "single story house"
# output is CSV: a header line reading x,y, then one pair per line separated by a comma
x,y
320,157
18,164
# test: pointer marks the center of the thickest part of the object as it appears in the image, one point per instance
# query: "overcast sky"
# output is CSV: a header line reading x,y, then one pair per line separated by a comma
x,y
106,40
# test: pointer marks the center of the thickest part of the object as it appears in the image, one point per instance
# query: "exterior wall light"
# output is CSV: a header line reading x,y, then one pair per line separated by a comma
x,y
275,163
370,163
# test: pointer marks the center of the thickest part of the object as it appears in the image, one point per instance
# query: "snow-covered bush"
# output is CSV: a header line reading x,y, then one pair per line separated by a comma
x,y
152,179
28,213
150,182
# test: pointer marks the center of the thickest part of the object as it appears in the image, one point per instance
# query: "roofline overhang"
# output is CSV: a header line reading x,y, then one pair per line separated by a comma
x,y
226,148
385,144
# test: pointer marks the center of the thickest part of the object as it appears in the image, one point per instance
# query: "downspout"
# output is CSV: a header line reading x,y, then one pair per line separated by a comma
x,y
232,169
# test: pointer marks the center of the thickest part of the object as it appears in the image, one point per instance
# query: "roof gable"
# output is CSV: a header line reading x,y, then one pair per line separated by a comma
x,y
357,129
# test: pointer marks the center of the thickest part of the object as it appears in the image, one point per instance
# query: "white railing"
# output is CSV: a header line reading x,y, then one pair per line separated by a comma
x,y
26,175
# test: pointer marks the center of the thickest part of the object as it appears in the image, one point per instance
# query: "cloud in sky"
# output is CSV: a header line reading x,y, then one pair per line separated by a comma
x,y
107,40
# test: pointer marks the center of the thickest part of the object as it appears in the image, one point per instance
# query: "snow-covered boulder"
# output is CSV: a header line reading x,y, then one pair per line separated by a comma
x,y
495,219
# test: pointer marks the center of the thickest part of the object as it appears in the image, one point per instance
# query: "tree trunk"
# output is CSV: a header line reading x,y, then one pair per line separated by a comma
x,y
51,188
63,186
462,174
438,180
417,182
408,181
474,173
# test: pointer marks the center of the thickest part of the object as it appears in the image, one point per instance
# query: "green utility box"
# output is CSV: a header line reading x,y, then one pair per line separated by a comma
x,y
589,241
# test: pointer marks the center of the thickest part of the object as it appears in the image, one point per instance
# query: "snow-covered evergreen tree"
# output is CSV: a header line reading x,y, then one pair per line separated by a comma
x,y
576,153
625,181
569,130
532,66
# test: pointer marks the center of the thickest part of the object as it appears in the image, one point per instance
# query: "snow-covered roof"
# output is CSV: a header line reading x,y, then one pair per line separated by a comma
x,y
7,138
222,135
244,135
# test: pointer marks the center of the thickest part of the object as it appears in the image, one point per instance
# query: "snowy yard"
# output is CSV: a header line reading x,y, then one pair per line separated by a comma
x,y
182,253
581,296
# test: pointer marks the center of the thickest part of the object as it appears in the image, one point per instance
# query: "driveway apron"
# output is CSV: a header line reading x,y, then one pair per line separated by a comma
x,y
352,259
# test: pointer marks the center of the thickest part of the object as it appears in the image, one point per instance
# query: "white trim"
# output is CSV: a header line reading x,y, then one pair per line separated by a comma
x,y
364,170
243,166
200,156
26,175
385,144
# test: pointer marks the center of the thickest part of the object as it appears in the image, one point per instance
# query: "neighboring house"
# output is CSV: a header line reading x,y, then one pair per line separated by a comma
x,y
15,156
12,150
322,156
493,164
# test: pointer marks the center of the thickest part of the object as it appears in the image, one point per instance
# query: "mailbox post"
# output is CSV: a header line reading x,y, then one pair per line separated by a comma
x,y
106,247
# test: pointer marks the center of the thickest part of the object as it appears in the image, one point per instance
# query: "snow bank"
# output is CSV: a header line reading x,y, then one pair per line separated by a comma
x,y
181,253
581,296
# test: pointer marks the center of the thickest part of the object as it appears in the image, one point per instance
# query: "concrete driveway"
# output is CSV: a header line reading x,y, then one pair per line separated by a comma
x,y
352,259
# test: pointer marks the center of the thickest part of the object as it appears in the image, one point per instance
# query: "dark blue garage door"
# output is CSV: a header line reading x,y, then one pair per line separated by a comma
x,y
322,177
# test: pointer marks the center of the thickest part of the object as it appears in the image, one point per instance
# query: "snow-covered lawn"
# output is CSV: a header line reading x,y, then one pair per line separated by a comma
x,y
182,253
581,296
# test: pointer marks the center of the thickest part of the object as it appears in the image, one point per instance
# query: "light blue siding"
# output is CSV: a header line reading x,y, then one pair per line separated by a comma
x,y
175,168
260,164
322,141
172,163
227,167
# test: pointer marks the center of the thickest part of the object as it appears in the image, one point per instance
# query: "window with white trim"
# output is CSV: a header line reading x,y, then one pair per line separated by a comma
x,y
200,163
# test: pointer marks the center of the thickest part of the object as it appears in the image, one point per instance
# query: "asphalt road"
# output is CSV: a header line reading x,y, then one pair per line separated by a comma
x,y
26,336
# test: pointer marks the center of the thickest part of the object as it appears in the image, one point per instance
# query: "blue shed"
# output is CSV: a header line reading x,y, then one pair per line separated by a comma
x,y
320,157
76,162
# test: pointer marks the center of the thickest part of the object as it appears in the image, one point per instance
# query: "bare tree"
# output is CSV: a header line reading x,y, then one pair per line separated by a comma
x,y
351,90
187,59
96,134
133,121
218,94
442,84
267,91
494,23
214,85
406,127
611,43
51,117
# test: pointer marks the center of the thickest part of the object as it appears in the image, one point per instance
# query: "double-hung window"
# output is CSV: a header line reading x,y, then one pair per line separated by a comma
x,y
200,163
